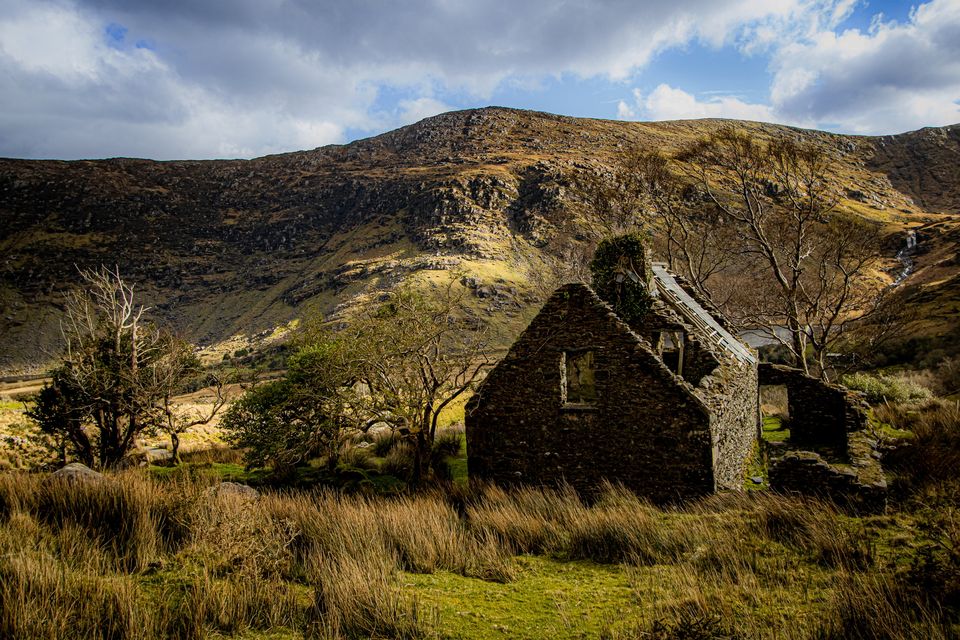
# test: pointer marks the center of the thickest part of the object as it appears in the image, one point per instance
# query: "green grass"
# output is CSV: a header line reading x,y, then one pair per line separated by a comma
x,y
223,471
756,468
458,465
773,429
549,599
885,430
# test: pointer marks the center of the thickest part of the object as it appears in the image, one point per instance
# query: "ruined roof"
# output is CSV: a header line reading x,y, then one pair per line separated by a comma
x,y
677,297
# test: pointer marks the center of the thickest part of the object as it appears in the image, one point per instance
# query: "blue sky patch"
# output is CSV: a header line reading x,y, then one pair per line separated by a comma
x,y
116,33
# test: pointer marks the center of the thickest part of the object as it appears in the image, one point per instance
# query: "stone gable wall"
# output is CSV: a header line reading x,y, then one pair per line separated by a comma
x,y
646,430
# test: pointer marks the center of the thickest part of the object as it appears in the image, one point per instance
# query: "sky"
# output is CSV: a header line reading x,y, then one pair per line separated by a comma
x,y
175,79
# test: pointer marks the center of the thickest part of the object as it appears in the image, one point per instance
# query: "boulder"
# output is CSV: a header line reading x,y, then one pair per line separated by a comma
x,y
380,429
77,472
235,489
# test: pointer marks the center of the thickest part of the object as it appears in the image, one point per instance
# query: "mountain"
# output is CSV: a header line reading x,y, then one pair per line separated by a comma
x,y
229,252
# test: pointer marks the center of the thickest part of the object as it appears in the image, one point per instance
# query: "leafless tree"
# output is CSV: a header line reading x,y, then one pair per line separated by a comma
x,y
642,192
695,241
178,364
812,268
111,382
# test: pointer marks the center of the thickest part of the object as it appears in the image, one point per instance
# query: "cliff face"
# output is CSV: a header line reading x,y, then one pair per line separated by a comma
x,y
924,165
220,248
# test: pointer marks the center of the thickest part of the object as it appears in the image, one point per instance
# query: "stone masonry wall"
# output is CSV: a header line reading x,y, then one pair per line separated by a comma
x,y
646,429
820,413
736,419
806,473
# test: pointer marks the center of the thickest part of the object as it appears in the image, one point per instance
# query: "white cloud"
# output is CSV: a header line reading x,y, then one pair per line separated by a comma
x,y
244,77
625,111
414,110
893,78
669,103
202,78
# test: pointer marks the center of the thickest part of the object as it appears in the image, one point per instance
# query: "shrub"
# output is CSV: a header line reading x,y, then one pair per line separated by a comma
x,y
629,299
280,423
866,607
399,461
930,461
448,442
886,388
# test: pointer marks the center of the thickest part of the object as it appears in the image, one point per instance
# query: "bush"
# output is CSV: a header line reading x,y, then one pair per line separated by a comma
x,y
281,424
384,442
399,462
629,299
886,388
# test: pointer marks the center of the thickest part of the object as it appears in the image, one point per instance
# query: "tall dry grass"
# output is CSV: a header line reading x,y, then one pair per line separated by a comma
x,y
137,557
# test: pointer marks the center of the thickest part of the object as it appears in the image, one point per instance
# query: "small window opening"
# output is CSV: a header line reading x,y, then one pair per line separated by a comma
x,y
578,378
671,345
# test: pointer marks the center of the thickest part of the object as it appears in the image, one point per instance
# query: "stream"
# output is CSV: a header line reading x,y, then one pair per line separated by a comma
x,y
905,258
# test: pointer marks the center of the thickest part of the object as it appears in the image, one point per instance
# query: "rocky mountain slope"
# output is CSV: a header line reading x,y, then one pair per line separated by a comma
x,y
241,247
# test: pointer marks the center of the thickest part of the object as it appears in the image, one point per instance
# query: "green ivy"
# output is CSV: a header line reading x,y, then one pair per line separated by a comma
x,y
630,300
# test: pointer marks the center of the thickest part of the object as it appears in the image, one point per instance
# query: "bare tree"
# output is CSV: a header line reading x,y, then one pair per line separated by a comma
x,y
177,365
811,267
695,241
109,386
641,192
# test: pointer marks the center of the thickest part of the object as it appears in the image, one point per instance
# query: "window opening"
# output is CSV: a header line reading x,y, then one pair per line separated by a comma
x,y
578,378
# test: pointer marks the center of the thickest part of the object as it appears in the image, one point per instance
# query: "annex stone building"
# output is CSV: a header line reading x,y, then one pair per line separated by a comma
x,y
668,407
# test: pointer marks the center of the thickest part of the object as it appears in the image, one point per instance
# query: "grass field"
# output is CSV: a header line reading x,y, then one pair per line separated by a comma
x,y
165,551
142,556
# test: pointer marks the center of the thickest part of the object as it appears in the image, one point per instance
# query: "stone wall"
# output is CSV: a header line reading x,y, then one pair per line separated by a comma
x,y
736,419
806,473
698,359
820,413
647,429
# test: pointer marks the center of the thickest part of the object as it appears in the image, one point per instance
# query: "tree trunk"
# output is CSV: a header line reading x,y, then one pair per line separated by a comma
x,y
418,459
175,447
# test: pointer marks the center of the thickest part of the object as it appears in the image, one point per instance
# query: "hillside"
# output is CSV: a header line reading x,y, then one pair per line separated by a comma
x,y
242,247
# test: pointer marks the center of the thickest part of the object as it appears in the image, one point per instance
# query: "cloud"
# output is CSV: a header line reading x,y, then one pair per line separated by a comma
x,y
209,78
669,103
894,77
189,78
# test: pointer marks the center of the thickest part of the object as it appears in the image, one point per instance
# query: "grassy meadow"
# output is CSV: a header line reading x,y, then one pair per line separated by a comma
x,y
136,556
162,551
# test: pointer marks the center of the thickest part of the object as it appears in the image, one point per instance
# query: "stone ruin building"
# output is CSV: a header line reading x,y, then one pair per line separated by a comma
x,y
667,407
830,452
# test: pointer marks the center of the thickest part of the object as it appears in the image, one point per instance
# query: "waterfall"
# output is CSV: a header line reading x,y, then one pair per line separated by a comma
x,y
905,258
